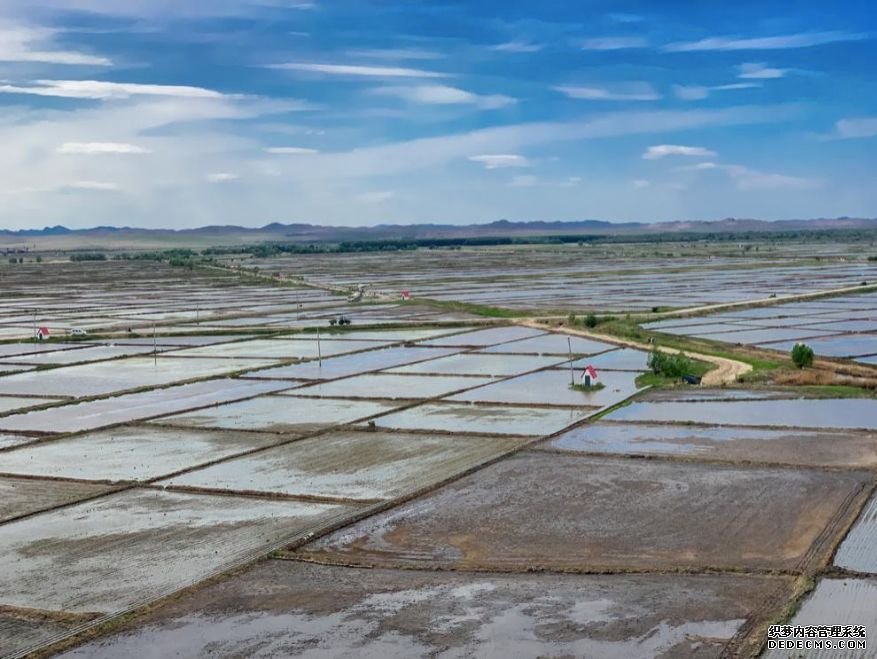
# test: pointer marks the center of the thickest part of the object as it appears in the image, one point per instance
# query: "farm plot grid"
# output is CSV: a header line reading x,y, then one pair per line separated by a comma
x,y
147,474
575,278
841,327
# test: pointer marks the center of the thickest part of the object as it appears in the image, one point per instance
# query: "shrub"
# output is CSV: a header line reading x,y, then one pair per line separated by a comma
x,y
591,321
802,355
571,319
670,365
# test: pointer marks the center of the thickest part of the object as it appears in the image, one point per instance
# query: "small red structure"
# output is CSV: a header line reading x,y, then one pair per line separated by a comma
x,y
406,295
42,334
589,376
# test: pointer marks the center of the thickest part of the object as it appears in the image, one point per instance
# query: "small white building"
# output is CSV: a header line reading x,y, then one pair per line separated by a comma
x,y
42,334
589,376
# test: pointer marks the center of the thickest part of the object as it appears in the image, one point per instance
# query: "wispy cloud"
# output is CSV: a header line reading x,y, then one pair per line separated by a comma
x,y
102,90
500,160
101,148
94,186
221,177
698,93
376,196
664,150
747,178
517,47
291,150
855,128
780,42
640,183
614,43
396,54
760,71
641,91
35,44
444,95
356,70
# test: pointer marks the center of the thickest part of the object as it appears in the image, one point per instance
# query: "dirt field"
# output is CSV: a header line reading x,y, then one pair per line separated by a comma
x,y
295,609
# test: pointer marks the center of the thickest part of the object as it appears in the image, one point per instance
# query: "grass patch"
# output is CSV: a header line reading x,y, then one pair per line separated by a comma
x,y
651,379
588,388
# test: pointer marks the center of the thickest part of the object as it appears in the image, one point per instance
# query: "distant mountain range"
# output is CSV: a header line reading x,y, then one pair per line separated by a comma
x,y
104,237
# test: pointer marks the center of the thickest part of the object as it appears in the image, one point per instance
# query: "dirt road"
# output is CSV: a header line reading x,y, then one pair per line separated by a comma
x,y
726,371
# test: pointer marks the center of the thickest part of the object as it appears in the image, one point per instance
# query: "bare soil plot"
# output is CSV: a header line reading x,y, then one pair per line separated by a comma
x,y
280,414
392,386
282,608
128,454
130,547
796,447
858,552
539,510
349,465
23,496
846,413
20,631
852,601
339,367
552,387
488,419
96,414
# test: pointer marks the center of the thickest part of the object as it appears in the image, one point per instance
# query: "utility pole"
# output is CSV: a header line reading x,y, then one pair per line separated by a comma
x,y
154,348
572,377
319,350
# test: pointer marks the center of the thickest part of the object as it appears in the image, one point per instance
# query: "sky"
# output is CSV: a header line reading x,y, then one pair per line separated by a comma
x,y
185,113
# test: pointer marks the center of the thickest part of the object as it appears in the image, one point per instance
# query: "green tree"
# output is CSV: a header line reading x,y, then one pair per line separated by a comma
x,y
802,355
591,321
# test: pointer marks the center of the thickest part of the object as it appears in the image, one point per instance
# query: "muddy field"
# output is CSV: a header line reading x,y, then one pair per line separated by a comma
x,y
295,609
592,514
677,525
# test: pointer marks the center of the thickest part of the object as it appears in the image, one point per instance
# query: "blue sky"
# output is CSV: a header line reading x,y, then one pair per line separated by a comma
x,y
166,113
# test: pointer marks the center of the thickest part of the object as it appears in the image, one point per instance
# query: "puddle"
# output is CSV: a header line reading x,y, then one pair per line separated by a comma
x,y
465,417
109,377
279,414
390,386
481,364
552,387
339,367
75,417
858,551
801,412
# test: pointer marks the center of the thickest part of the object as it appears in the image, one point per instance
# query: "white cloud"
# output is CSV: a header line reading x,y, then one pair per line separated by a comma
x,y
614,43
801,40
101,90
444,95
517,47
396,53
221,177
157,9
857,127
95,186
376,197
698,93
358,70
291,150
500,160
760,71
35,44
640,183
753,179
631,92
100,148
663,150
